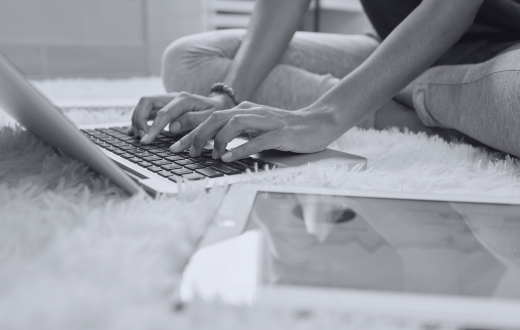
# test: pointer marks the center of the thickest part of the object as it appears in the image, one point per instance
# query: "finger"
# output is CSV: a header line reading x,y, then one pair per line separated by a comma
x,y
208,129
205,131
183,144
269,140
189,121
246,105
140,116
164,116
185,102
146,109
132,130
240,124
162,119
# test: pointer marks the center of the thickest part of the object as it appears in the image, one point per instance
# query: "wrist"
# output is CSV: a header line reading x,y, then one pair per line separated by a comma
x,y
329,116
224,100
224,88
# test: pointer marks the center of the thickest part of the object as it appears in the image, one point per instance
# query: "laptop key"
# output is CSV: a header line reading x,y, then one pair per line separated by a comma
x,y
140,152
174,158
209,172
126,156
154,168
164,145
184,162
135,160
226,169
239,165
210,162
119,152
125,138
170,134
127,147
197,159
119,129
248,160
193,176
195,166
161,162
182,171
151,158
175,178
163,154
171,167
144,164
165,173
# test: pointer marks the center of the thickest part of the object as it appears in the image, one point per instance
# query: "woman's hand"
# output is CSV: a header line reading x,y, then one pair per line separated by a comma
x,y
303,131
183,111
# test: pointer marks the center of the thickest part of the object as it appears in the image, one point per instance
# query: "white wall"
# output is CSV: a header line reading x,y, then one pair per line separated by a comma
x,y
113,38
109,38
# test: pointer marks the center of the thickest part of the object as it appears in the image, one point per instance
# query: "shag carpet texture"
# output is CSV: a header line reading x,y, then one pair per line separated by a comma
x,y
76,253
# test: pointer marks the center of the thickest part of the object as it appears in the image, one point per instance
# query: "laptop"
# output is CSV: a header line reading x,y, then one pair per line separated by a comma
x,y
106,148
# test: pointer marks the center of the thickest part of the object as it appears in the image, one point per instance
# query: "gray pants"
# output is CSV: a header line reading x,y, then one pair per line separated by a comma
x,y
481,100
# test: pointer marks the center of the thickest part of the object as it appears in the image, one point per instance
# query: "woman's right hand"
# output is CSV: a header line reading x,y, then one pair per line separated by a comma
x,y
183,111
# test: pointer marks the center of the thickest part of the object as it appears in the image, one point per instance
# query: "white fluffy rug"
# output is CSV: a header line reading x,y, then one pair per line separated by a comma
x,y
76,254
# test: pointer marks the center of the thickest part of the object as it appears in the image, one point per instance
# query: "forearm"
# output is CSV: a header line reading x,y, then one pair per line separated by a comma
x,y
427,33
272,26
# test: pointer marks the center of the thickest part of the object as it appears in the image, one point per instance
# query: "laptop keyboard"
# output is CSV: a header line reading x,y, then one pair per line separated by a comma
x,y
156,156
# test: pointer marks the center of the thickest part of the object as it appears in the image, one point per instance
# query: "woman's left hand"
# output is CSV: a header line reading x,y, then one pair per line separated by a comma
x,y
302,131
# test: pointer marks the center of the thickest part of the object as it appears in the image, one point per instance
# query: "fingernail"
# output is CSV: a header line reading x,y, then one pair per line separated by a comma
x,y
192,151
227,156
214,154
142,133
145,138
175,127
175,146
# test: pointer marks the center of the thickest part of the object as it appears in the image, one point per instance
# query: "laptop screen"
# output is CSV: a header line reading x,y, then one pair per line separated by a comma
x,y
416,246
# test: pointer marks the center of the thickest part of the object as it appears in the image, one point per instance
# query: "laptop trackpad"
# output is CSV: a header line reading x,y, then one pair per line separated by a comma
x,y
326,157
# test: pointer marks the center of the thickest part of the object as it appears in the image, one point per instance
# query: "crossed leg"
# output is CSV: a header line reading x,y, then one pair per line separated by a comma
x,y
313,63
480,100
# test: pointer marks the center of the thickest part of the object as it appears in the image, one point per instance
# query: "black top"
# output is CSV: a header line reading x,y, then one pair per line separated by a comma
x,y
496,27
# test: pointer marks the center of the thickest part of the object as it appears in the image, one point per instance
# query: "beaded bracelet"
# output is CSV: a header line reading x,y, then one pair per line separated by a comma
x,y
221,87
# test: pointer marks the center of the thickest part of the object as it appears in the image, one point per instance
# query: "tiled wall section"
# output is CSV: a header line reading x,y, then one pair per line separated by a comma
x,y
115,38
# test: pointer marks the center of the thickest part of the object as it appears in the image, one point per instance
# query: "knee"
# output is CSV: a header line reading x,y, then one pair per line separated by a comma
x,y
175,64
189,61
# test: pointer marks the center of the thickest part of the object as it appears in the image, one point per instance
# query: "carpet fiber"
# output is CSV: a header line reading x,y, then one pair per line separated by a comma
x,y
75,253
